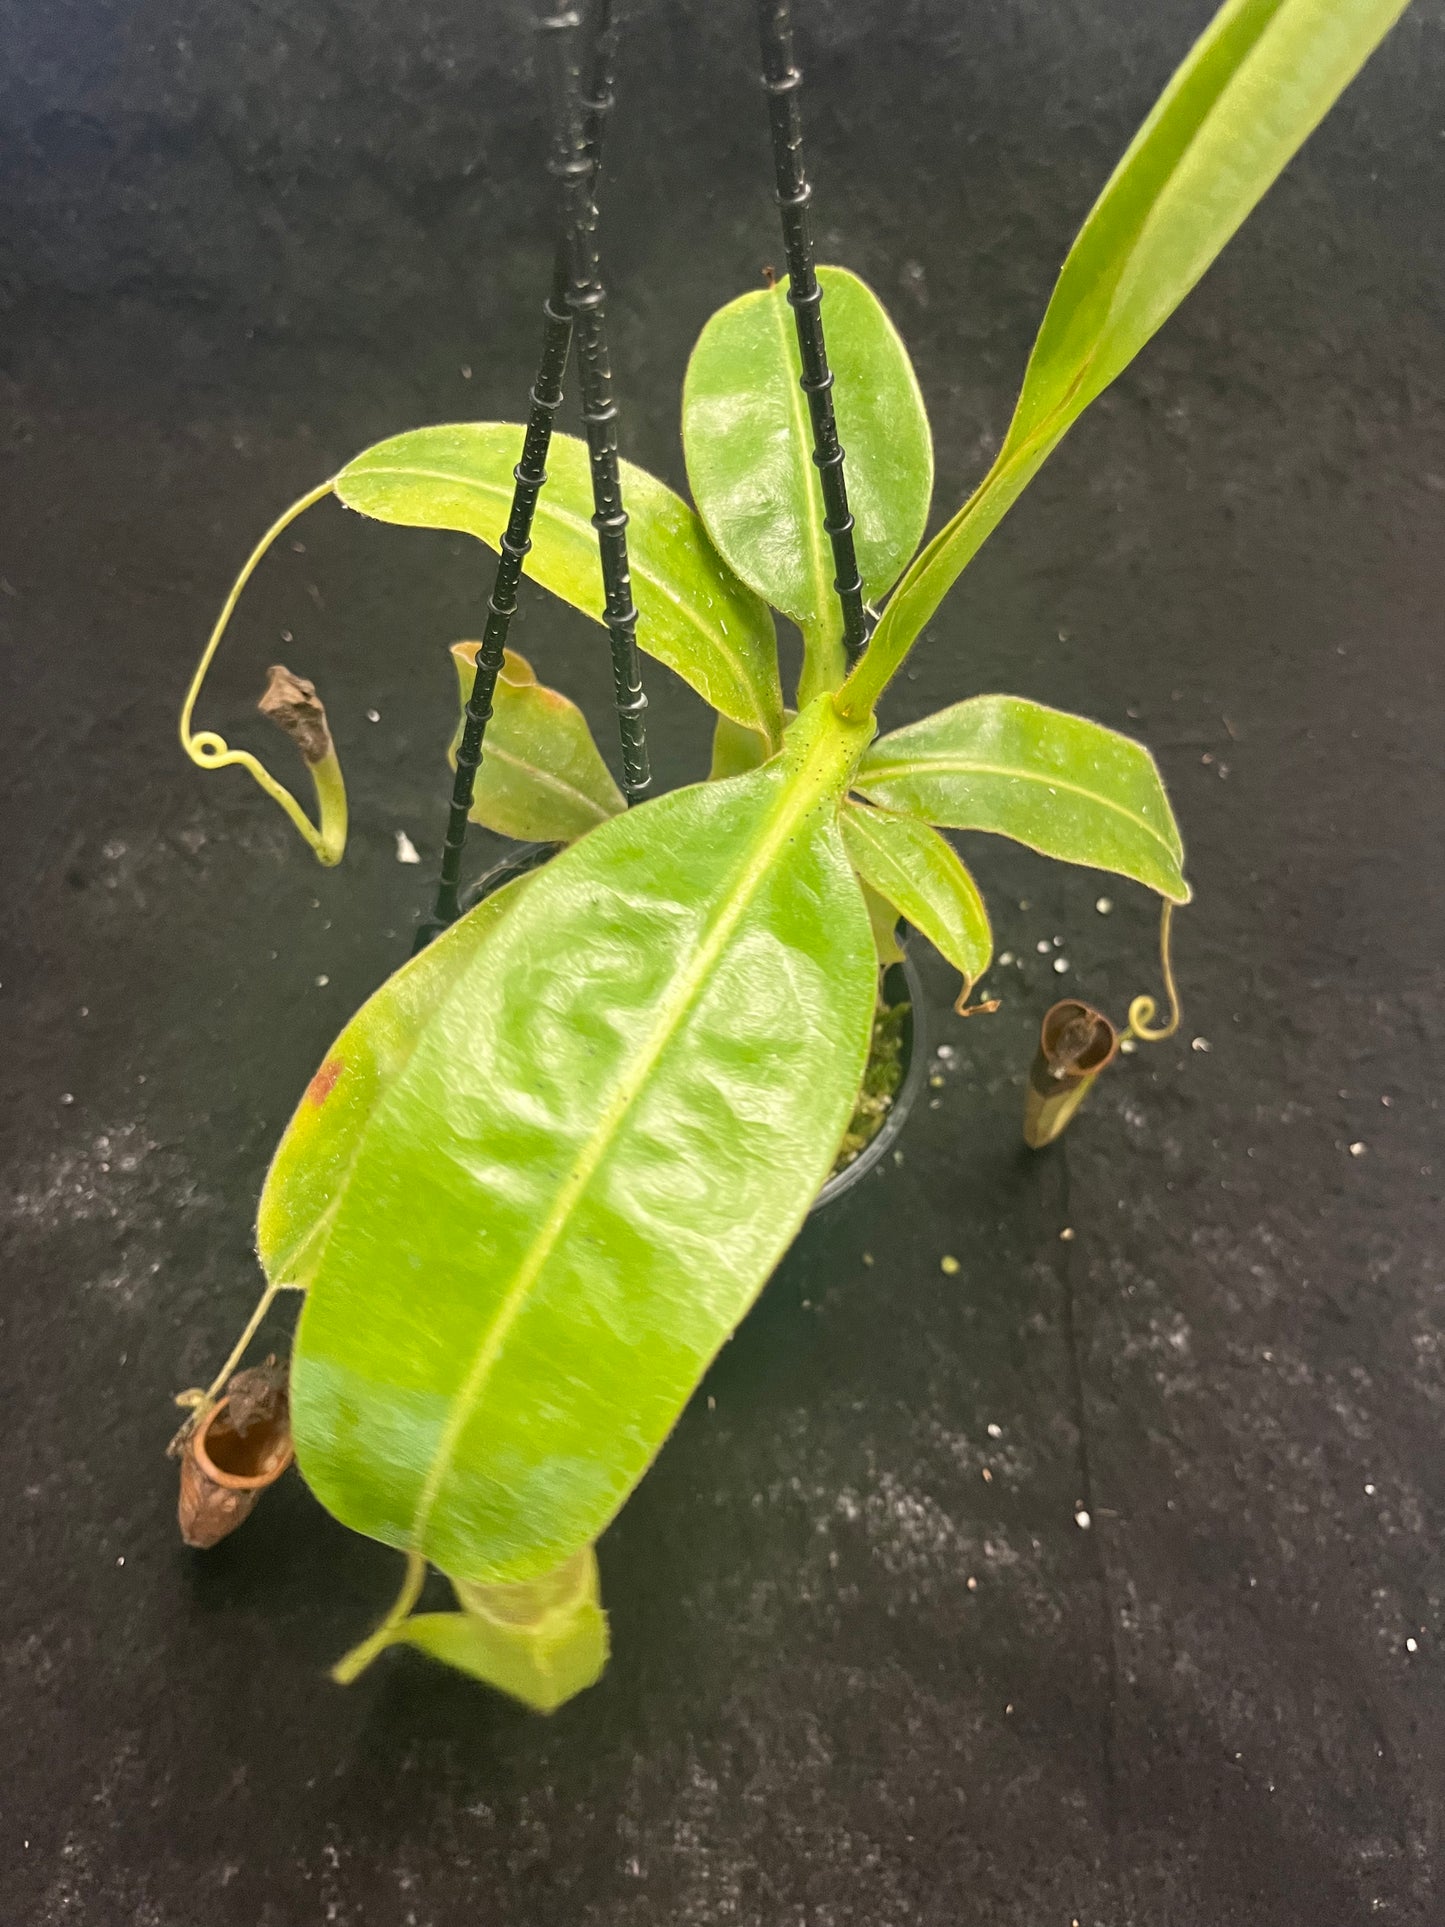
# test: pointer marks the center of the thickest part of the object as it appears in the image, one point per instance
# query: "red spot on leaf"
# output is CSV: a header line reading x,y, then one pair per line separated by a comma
x,y
324,1082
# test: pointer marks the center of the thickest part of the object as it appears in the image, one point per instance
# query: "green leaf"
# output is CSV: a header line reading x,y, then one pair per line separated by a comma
x,y
749,447
1255,86
541,1643
735,750
606,1135
314,1160
884,919
1251,91
1061,784
921,875
542,777
693,613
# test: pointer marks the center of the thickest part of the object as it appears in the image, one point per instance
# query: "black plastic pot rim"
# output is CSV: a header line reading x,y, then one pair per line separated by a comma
x,y
904,976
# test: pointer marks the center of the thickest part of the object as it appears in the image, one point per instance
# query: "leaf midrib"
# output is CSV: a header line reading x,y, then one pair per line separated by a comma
x,y
548,779
549,510
797,415
959,766
864,827
865,824
683,993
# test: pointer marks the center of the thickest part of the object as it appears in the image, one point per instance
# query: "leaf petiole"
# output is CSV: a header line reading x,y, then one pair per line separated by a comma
x,y
353,1664
915,600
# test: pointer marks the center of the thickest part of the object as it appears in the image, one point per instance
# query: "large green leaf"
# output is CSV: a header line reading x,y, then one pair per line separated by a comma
x,y
749,446
693,613
541,1643
542,777
609,1129
921,875
313,1162
1251,91
1059,783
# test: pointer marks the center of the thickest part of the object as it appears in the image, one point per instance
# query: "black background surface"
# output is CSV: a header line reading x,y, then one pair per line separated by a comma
x,y
240,242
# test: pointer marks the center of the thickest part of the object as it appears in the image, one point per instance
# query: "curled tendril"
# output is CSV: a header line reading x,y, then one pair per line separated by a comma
x,y
1141,1011
208,750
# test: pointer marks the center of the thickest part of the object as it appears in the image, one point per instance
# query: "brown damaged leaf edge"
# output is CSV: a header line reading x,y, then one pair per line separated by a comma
x,y
239,1449
324,1082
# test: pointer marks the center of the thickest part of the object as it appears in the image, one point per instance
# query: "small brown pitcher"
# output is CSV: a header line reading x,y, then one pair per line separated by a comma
x,y
1076,1042
241,1446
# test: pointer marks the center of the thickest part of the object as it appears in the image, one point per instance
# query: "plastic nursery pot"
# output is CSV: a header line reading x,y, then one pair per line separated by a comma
x,y
901,985
241,1447
1076,1042
517,862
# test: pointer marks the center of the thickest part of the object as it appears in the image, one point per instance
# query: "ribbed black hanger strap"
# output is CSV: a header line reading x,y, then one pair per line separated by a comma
x,y
587,303
530,477
793,193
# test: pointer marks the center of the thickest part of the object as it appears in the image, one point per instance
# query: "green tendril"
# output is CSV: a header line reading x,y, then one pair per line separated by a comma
x,y
1141,1011
200,1402
353,1664
208,750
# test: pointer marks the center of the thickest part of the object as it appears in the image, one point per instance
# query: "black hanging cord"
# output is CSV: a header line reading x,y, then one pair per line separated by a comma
x,y
783,81
586,302
531,475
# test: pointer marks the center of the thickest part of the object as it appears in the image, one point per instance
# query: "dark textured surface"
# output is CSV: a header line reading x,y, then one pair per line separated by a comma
x,y
241,242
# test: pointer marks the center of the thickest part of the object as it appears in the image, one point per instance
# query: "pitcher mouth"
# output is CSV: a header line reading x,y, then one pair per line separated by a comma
x,y
1075,1040
243,1459
241,1447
